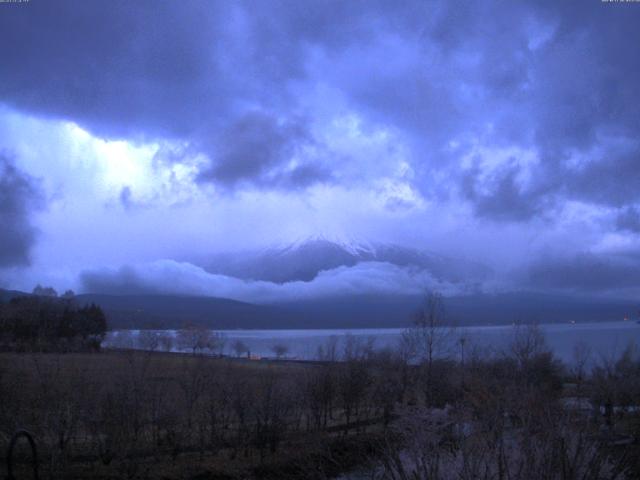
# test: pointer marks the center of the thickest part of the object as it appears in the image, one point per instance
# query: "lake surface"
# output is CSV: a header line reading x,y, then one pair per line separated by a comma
x,y
606,339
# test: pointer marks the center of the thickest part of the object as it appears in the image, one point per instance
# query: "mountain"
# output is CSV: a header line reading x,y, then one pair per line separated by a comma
x,y
303,261
176,311
355,311
6,295
378,311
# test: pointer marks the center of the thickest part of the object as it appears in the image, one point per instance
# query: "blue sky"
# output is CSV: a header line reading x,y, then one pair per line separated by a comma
x,y
142,134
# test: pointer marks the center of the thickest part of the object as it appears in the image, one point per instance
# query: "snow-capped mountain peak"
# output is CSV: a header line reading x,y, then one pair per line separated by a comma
x,y
304,259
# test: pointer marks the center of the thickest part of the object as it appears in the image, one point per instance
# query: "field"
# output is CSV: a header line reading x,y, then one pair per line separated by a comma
x,y
156,415
149,415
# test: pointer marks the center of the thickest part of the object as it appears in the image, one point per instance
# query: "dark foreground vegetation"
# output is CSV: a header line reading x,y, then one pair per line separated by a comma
x,y
47,323
513,415
433,408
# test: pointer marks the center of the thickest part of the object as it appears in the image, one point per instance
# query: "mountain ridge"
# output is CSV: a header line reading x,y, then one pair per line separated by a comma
x,y
356,311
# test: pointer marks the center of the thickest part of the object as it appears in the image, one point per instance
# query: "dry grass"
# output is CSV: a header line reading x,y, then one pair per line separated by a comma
x,y
37,387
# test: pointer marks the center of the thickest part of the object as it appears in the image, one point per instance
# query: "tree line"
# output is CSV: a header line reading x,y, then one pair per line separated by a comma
x,y
504,415
50,323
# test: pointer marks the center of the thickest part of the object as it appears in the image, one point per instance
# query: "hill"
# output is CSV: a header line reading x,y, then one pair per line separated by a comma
x,y
175,311
354,311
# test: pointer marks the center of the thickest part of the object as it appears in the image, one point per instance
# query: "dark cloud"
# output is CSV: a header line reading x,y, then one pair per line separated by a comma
x,y
629,220
118,69
554,77
124,281
139,68
306,175
258,148
503,199
19,195
558,78
610,180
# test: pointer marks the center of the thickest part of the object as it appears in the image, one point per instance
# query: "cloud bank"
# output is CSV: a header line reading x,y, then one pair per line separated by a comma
x,y
505,133
168,276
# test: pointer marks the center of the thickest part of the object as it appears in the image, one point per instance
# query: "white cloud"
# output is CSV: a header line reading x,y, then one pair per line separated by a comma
x,y
168,276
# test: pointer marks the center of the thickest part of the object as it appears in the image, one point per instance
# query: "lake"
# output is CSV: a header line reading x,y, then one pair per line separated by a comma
x,y
604,339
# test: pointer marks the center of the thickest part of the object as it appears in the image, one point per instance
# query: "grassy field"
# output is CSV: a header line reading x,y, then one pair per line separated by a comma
x,y
157,415
144,415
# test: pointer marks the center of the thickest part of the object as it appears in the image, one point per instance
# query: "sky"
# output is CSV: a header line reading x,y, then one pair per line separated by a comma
x,y
137,136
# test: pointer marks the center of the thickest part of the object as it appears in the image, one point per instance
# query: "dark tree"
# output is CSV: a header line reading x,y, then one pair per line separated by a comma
x,y
49,324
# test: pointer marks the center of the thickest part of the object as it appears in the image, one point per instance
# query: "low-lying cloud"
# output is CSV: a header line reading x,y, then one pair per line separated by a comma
x,y
170,277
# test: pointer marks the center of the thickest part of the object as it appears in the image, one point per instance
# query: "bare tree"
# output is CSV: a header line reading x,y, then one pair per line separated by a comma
x,y
527,342
356,348
192,382
197,339
148,340
353,385
581,359
329,351
273,403
280,350
430,337
165,340
318,395
216,343
240,348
